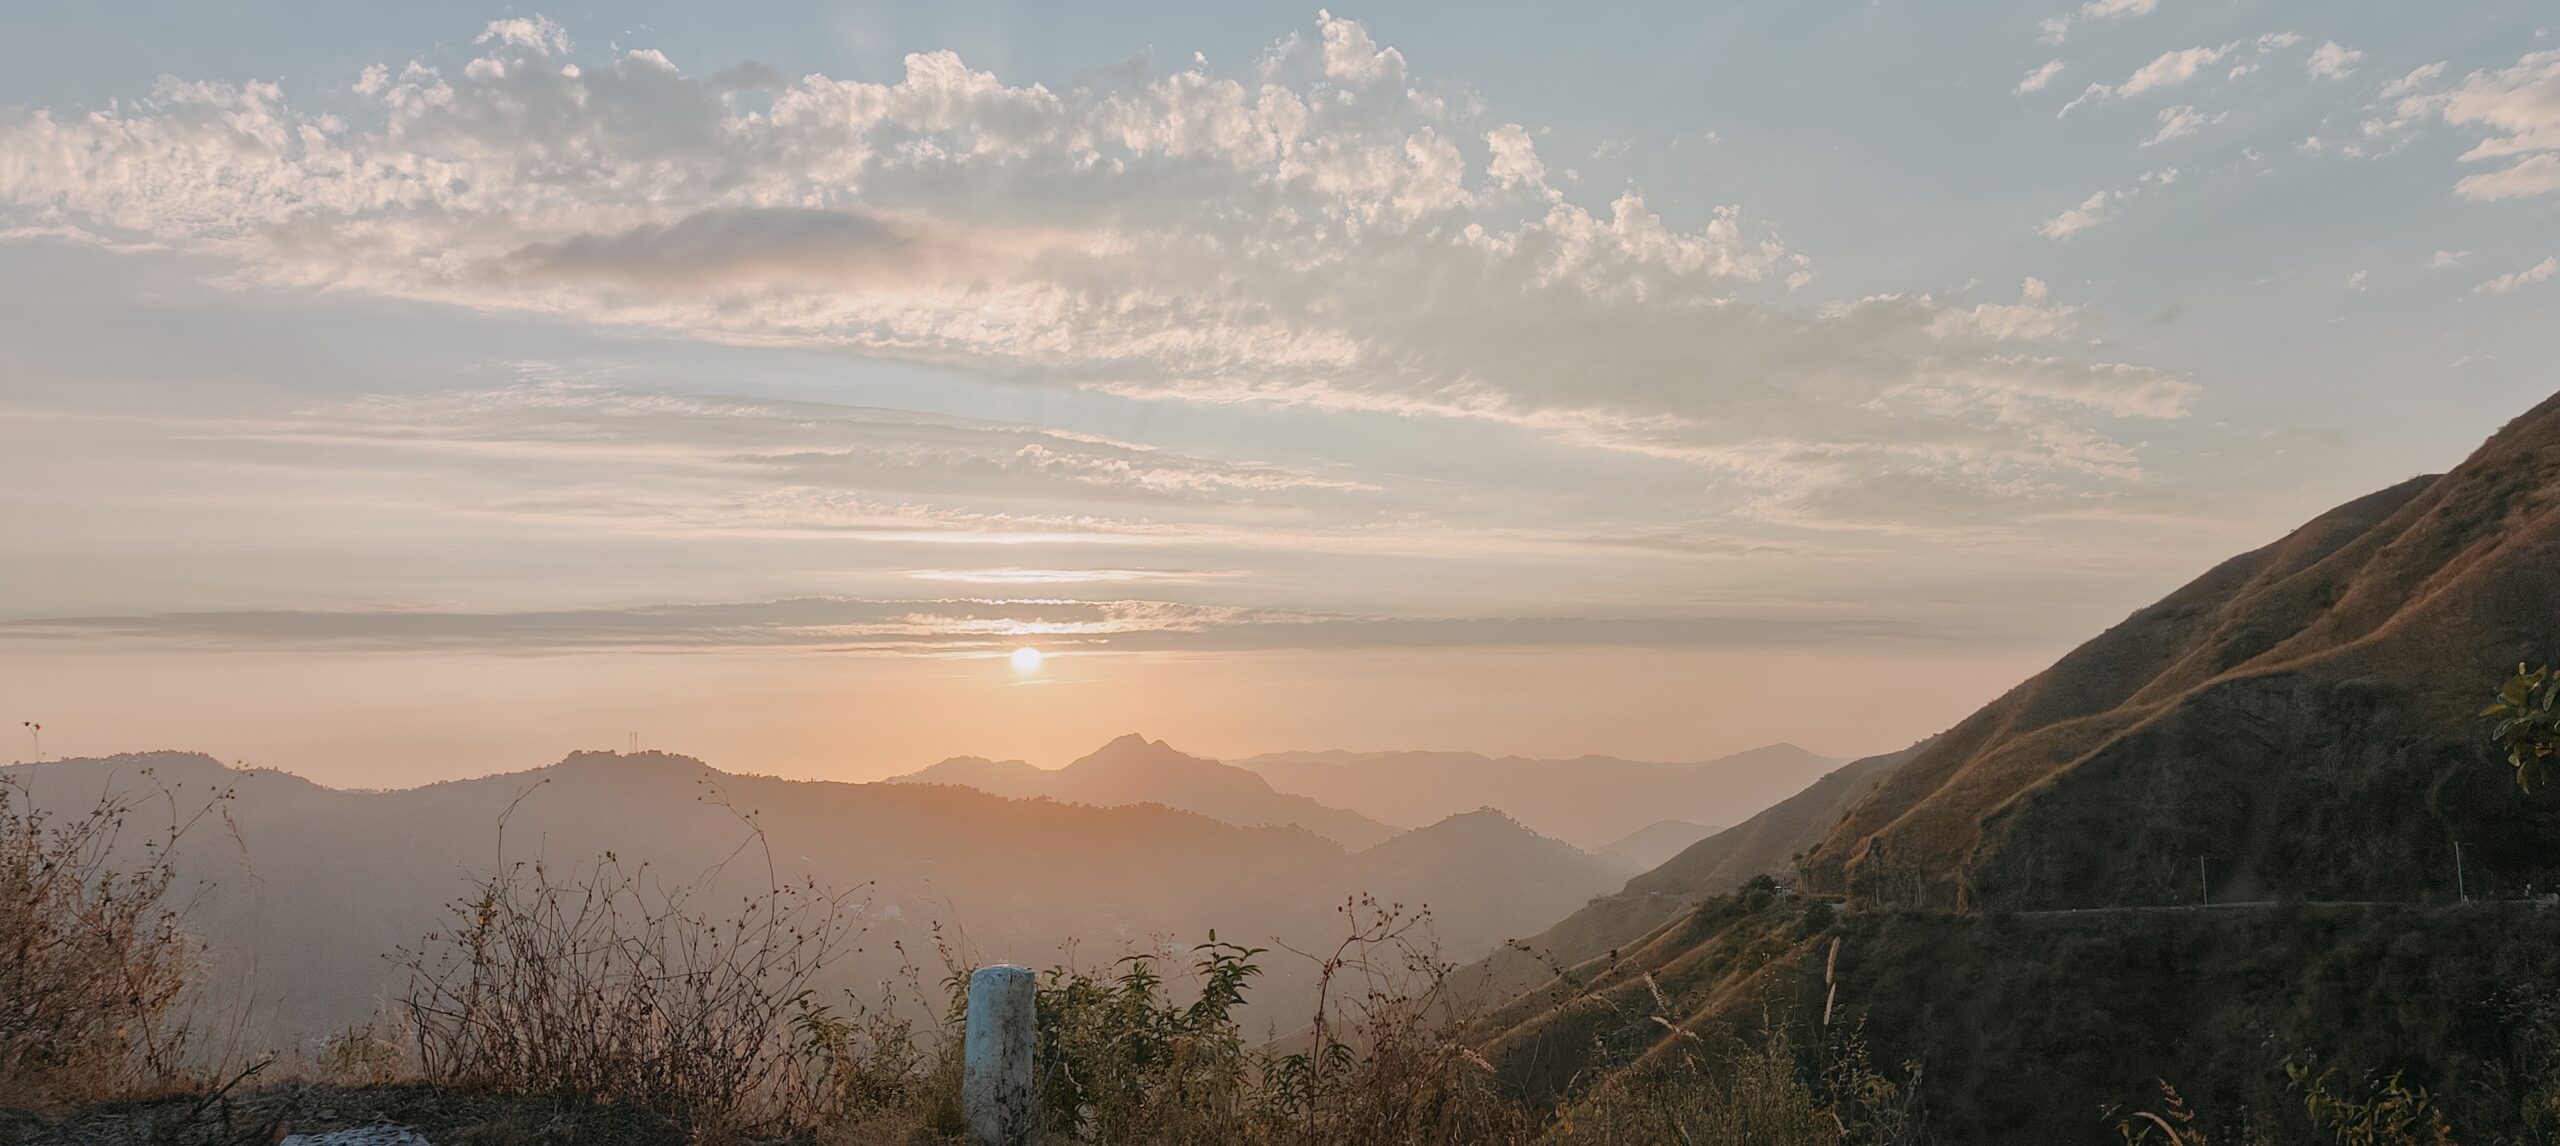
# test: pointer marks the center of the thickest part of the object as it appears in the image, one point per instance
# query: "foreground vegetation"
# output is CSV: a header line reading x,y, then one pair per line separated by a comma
x,y
607,1006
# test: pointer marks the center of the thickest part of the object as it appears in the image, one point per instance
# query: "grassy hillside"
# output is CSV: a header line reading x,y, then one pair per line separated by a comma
x,y
2299,718
2025,1027
1764,845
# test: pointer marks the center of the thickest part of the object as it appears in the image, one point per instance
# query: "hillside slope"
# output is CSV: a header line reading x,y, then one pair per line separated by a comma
x,y
1765,844
2294,722
1649,846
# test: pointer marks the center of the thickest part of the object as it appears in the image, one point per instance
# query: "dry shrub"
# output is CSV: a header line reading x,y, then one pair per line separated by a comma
x,y
614,990
1386,1059
93,962
872,1072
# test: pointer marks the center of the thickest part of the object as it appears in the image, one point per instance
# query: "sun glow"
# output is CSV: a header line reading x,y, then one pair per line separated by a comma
x,y
1027,659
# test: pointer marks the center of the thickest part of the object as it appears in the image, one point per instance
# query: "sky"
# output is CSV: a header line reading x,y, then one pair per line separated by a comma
x,y
396,394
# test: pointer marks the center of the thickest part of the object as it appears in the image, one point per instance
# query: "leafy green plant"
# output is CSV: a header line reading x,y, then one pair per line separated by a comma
x,y
2388,1112
2527,712
1121,1061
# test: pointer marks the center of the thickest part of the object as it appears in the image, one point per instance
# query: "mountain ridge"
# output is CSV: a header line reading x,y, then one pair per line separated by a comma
x,y
1132,769
1589,801
2267,712
302,889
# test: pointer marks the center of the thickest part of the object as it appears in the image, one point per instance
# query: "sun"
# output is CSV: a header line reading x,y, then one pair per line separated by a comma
x,y
1027,659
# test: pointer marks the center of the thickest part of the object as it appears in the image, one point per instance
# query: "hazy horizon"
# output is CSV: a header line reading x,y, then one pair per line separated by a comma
x,y
396,396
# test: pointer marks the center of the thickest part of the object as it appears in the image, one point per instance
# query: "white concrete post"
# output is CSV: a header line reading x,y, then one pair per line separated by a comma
x,y
996,1099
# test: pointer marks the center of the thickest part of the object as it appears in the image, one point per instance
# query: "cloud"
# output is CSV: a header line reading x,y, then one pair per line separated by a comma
x,y
1015,575
2356,281
2035,80
2168,69
2525,178
1515,159
2516,109
2032,318
964,627
2540,272
1351,57
2089,212
2101,206
593,457
536,33
2418,79
2053,29
2180,121
1317,232
2443,259
2332,61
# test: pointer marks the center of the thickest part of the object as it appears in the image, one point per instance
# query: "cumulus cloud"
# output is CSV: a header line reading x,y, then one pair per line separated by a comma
x,y
1316,232
1350,56
1515,159
2333,61
2540,272
536,33
2443,259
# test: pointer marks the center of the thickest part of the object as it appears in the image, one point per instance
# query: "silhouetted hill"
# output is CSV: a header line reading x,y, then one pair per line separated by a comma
x,y
301,890
1518,880
1653,843
1135,770
1589,802
2298,720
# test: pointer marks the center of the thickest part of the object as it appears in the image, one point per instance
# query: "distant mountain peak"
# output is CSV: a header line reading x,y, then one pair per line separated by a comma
x,y
1136,746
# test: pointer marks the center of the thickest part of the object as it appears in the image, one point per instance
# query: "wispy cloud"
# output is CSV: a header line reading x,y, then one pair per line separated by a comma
x,y
2179,122
2515,110
2540,272
2036,79
2054,29
947,626
1318,231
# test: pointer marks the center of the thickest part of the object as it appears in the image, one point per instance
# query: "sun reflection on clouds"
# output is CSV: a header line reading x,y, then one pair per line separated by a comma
x,y
1020,576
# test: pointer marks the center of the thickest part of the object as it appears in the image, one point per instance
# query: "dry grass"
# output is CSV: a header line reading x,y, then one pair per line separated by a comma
x,y
615,989
93,964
